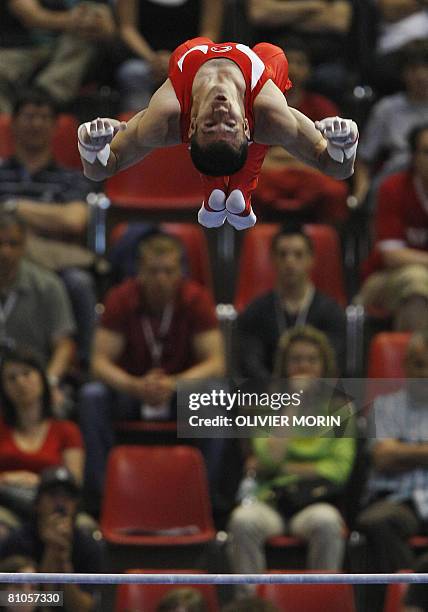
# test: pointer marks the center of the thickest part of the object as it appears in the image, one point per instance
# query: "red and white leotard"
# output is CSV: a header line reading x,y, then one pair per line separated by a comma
x,y
258,65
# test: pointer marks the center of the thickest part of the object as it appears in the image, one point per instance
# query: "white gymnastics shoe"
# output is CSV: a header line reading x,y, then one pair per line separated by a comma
x,y
213,214
239,211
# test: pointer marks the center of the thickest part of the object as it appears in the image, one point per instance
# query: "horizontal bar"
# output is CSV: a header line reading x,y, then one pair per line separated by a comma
x,y
23,577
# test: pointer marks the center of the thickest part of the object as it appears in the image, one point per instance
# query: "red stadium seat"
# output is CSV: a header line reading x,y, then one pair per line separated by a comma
x,y
146,597
309,597
385,364
146,427
6,140
394,597
195,243
386,355
156,496
64,142
395,594
164,180
256,274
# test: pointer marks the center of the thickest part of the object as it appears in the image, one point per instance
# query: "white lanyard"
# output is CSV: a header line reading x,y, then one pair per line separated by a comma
x,y
155,344
302,314
5,310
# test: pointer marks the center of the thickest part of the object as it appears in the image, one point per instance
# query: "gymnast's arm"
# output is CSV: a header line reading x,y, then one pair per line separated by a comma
x,y
276,123
128,143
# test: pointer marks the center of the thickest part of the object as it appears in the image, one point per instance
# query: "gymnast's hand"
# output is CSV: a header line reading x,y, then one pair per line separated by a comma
x,y
94,138
341,135
95,135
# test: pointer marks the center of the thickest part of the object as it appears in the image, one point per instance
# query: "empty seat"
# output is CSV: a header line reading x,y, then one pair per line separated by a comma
x,y
386,355
309,597
146,597
156,495
164,180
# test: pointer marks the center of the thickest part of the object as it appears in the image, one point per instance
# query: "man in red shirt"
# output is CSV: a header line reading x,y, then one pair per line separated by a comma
x,y
227,101
401,247
156,329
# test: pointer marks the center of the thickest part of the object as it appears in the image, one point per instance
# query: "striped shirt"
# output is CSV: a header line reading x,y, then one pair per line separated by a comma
x,y
51,184
397,416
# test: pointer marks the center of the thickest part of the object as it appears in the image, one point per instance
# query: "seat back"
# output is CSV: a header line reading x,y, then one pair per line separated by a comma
x,y
146,597
394,595
194,242
6,139
196,247
386,355
64,144
165,179
155,488
309,597
385,370
256,274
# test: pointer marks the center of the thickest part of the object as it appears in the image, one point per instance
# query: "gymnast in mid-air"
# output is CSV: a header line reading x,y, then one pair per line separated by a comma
x,y
227,101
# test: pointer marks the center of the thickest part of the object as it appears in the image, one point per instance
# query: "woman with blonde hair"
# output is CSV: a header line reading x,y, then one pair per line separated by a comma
x,y
300,477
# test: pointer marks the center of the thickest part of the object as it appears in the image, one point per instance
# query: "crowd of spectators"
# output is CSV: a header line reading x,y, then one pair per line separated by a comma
x,y
76,358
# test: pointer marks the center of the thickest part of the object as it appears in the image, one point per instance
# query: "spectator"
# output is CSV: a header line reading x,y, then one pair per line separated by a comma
x,y
50,45
385,137
157,329
399,287
35,310
53,540
287,185
322,25
182,600
389,25
250,604
293,301
30,438
396,497
52,202
17,564
311,104
151,29
285,463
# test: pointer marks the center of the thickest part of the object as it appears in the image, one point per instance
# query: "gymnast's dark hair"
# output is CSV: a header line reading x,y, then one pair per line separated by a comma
x,y
218,158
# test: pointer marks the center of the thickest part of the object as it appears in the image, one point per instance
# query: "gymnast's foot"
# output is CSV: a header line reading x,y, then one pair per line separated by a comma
x,y
239,212
213,213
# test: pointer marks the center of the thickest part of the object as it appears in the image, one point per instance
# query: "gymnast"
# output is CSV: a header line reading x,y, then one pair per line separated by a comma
x,y
227,101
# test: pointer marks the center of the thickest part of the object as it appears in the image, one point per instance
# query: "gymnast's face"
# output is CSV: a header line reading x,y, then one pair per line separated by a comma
x,y
219,118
